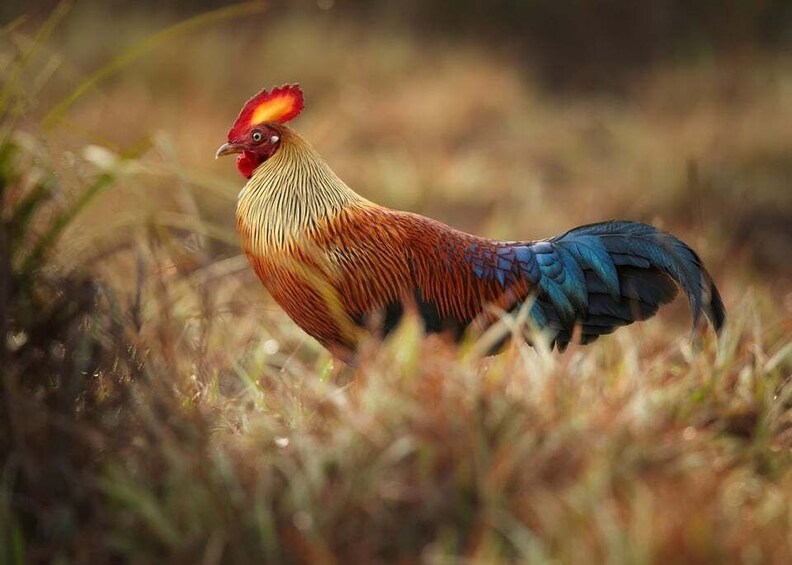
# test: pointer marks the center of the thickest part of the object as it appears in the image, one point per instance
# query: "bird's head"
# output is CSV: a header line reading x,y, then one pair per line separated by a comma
x,y
256,133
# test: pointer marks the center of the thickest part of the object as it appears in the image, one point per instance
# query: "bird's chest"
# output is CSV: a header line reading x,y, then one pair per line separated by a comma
x,y
287,237
280,254
294,268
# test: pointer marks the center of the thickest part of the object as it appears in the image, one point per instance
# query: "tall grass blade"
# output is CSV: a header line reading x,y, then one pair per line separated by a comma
x,y
50,237
11,82
160,38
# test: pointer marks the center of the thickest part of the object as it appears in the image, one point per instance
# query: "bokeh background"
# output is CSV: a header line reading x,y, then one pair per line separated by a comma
x,y
157,404
513,119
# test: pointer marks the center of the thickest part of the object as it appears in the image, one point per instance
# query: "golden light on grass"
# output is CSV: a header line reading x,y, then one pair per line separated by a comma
x,y
156,404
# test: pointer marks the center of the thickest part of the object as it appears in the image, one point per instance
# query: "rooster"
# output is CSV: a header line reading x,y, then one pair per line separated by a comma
x,y
341,265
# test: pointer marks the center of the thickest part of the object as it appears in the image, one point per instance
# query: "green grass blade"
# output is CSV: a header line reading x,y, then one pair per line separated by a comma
x,y
122,490
149,44
50,237
11,81
25,211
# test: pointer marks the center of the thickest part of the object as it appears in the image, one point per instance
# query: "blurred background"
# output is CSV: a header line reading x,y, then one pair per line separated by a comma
x,y
156,402
512,119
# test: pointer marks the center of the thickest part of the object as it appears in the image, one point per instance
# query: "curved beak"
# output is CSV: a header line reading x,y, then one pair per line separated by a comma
x,y
227,149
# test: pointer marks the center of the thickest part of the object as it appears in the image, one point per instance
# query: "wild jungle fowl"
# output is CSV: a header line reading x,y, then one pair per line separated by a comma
x,y
340,265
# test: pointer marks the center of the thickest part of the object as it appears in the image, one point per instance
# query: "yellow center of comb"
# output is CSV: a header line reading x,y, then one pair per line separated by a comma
x,y
271,110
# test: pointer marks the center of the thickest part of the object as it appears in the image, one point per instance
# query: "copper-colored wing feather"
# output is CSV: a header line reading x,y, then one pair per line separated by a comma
x,y
596,277
380,262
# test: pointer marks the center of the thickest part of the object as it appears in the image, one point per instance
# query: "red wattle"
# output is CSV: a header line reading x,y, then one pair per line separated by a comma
x,y
247,162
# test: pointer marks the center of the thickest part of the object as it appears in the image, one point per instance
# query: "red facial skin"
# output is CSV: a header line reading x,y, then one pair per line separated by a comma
x,y
253,153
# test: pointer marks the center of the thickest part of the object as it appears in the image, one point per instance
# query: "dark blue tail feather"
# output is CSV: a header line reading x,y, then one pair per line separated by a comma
x,y
602,276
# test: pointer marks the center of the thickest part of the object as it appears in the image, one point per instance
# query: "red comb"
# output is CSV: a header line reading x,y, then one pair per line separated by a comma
x,y
284,103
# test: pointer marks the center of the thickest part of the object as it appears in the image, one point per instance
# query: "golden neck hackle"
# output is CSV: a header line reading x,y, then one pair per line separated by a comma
x,y
292,194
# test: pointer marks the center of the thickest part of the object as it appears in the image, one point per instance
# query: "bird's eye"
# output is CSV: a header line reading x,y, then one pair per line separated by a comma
x,y
256,136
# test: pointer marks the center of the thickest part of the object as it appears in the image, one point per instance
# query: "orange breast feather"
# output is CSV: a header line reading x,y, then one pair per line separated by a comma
x,y
372,261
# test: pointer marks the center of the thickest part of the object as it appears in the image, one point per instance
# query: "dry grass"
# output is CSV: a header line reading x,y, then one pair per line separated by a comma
x,y
176,413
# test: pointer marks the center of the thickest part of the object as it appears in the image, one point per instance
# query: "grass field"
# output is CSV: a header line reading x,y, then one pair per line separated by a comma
x,y
157,405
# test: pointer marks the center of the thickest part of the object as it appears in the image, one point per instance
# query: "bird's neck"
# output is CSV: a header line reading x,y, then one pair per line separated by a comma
x,y
292,193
